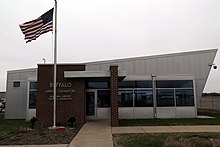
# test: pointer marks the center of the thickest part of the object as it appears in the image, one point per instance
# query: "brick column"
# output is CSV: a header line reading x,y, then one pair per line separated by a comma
x,y
114,95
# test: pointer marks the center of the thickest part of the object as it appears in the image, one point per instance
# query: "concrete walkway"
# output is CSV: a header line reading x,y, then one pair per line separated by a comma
x,y
99,133
166,129
94,134
54,145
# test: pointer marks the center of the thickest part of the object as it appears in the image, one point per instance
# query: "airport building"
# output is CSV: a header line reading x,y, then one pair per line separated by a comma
x,y
160,86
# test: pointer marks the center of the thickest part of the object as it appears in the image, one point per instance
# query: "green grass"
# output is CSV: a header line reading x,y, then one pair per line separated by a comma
x,y
166,139
209,112
177,121
171,139
10,127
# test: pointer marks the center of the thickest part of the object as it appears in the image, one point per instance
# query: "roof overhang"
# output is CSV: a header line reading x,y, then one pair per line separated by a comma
x,y
91,74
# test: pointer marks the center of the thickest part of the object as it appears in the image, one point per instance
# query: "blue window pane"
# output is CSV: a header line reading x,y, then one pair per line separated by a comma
x,y
126,84
165,97
125,98
33,85
143,98
32,99
143,84
103,98
175,84
16,84
32,95
184,97
97,85
135,84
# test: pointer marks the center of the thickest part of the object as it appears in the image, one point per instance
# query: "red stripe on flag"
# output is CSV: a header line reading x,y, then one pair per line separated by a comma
x,y
34,28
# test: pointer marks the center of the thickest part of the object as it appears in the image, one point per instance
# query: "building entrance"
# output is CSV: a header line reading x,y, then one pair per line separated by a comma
x,y
91,104
97,104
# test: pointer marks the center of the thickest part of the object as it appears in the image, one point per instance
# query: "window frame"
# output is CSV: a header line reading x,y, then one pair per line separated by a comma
x,y
181,85
32,91
16,82
99,105
127,90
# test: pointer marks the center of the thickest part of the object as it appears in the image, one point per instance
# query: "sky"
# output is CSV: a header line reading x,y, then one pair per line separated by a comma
x,y
94,30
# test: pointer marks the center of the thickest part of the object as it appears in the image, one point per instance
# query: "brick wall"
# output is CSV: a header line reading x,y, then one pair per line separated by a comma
x,y
72,95
114,95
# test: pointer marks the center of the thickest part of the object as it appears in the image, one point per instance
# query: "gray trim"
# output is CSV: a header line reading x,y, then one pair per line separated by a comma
x,y
114,61
90,74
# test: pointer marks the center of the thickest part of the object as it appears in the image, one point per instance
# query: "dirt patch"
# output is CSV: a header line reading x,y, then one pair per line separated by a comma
x,y
40,135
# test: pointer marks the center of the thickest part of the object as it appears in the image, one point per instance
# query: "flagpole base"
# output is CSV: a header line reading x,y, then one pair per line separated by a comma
x,y
53,128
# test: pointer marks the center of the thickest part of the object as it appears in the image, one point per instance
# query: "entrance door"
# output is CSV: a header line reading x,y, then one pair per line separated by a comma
x,y
91,104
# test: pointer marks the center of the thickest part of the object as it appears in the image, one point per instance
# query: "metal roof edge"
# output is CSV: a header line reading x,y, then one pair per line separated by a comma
x,y
153,56
22,70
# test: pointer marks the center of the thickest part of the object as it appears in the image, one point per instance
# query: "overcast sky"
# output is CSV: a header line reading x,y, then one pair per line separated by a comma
x,y
91,30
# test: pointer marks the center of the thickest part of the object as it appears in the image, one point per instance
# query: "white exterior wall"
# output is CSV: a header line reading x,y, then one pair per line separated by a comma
x,y
16,97
180,66
186,112
135,112
166,112
189,63
103,113
162,112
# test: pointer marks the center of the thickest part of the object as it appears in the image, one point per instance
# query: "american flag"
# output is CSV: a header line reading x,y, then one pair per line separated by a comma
x,y
33,29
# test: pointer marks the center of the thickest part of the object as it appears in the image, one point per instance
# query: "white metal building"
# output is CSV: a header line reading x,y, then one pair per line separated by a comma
x,y
179,79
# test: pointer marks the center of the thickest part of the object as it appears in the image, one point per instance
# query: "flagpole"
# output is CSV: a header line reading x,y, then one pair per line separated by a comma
x,y
55,66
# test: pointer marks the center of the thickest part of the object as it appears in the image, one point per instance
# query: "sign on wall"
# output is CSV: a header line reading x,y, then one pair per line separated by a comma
x,y
64,91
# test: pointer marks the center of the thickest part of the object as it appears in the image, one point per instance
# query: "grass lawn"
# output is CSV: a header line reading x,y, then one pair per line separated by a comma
x,y
171,139
10,127
177,121
167,140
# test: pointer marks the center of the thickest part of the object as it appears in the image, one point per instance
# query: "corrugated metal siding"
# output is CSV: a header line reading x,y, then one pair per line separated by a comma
x,y
190,63
16,97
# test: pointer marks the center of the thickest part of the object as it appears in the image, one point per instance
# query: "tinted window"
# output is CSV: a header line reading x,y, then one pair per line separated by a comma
x,y
175,84
135,84
143,84
32,95
16,84
125,98
126,84
184,97
97,85
143,98
103,98
33,85
165,97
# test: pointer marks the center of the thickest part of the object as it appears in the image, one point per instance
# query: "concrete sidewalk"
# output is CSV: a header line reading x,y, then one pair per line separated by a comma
x,y
166,129
96,133
54,145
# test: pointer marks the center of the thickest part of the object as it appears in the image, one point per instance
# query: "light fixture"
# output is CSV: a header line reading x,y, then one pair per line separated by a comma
x,y
213,65
44,60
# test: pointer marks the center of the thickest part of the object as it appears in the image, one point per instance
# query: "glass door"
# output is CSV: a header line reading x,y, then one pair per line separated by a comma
x,y
91,103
